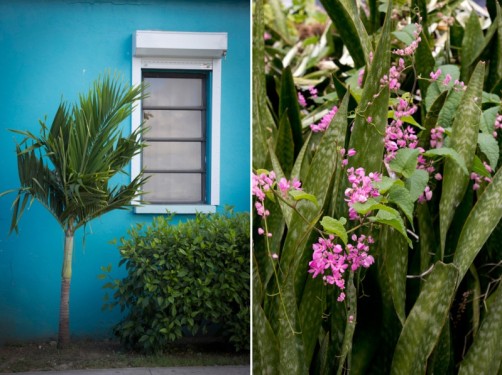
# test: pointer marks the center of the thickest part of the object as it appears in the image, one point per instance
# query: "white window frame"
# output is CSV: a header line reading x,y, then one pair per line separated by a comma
x,y
186,51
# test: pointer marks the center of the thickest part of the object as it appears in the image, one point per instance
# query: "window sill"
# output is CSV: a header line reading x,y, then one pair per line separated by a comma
x,y
175,209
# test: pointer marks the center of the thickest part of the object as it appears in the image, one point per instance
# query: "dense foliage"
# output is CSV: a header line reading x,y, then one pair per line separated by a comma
x,y
182,279
377,187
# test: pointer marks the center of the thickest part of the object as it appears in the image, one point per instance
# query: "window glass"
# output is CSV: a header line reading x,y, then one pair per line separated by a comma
x,y
174,188
174,92
168,156
173,123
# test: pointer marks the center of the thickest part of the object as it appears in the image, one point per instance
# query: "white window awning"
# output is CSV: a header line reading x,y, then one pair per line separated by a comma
x,y
179,44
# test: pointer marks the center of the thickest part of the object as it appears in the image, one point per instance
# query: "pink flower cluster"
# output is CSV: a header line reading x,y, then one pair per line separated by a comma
x,y
361,189
266,182
325,121
392,79
410,50
498,125
350,153
396,136
331,261
301,98
478,179
437,137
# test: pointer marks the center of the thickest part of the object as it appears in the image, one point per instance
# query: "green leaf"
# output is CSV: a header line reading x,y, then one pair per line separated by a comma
x,y
300,195
393,220
367,139
372,204
405,161
288,103
336,227
490,147
480,223
345,17
402,198
386,183
436,88
485,356
431,119
284,148
472,43
463,139
416,183
479,168
425,321
395,263
488,119
451,154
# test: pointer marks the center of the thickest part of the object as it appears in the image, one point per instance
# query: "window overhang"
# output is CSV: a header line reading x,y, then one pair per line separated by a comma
x,y
179,44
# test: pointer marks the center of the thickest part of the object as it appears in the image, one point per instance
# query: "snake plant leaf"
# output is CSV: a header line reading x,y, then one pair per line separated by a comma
x,y
368,139
424,61
427,236
336,227
297,167
284,148
351,300
287,211
291,349
288,103
480,223
280,22
471,44
495,69
395,263
490,147
463,140
441,359
345,17
423,326
265,344
485,356
310,314
263,124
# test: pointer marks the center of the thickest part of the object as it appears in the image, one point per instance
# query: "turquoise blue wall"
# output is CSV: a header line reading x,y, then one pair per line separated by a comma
x,y
51,50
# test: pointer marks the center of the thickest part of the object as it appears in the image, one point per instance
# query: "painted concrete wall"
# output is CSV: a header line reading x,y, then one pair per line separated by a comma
x,y
51,50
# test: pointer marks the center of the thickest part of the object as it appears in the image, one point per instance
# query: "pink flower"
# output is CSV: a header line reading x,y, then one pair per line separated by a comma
x,y
301,100
410,49
325,121
313,92
435,76
260,231
275,256
447,80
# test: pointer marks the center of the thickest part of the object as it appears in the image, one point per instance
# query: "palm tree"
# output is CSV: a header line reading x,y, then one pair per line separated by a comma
x,y
68,167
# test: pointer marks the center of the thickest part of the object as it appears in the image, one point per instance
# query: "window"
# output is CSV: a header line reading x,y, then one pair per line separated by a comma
x,y
183,71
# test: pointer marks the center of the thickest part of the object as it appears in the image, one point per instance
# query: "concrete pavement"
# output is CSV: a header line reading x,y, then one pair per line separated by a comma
x,y
206,370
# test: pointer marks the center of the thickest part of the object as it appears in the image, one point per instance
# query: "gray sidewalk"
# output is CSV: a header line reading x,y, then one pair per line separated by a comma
x,y
206,370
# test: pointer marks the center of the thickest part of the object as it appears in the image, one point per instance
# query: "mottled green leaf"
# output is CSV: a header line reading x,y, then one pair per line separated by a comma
x,y
425,321
288,103
424,61
310,314
471,44
451,154
490,147
463,139
263,124
485,356
431,119
395,264
265,344
416,183
367,139
284,148
345,17
287,211
405,161
480,223
336,227
351,300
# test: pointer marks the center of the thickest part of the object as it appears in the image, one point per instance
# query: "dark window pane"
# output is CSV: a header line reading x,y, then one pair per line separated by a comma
x,y
173,188
173,124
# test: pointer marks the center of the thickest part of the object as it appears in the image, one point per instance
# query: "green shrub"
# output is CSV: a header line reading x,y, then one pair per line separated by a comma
x,y
182,279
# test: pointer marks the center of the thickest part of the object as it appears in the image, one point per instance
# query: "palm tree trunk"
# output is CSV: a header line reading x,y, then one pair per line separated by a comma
x,y
64,307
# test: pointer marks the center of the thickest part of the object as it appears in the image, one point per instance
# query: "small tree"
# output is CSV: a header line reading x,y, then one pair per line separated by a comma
x,y
68,167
